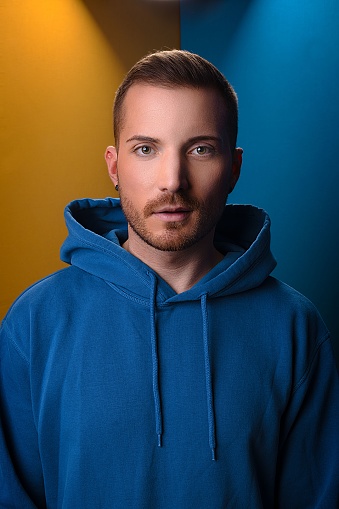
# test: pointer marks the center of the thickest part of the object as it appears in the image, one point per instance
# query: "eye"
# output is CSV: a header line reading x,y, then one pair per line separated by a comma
x,y
144,150
203,150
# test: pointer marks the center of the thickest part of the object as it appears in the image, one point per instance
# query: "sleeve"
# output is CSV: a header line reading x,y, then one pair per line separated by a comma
x,y
21,482
308,464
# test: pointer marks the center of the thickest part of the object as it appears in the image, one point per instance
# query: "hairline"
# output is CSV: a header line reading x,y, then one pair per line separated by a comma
x,y
169,86
173,69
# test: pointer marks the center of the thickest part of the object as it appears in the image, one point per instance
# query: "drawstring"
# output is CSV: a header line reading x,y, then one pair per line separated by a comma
x,y
155,362
208,377
155,369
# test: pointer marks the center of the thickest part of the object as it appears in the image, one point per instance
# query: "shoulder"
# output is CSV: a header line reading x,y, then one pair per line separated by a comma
x,y
42,290
300,328
284,297
48,307
45,297
292,310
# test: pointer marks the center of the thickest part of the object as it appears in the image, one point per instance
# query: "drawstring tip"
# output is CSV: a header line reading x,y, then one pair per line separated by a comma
x,y
159,440
213,454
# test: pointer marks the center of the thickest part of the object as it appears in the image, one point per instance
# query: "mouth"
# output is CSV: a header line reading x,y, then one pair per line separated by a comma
x,y
172,213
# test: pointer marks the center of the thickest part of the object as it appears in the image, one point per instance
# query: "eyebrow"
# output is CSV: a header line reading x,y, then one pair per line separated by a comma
x,y
195,139
205,137
140,137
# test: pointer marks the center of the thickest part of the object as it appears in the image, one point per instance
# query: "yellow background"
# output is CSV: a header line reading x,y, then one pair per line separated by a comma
x,y
61,63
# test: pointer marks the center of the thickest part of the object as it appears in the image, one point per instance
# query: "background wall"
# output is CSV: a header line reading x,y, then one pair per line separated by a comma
x,y
282,58
61,63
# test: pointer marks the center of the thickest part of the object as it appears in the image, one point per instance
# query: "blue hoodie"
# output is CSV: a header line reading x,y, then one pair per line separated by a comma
x,y
116,392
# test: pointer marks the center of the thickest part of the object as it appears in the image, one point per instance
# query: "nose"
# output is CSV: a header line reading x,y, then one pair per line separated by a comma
x,y
172,172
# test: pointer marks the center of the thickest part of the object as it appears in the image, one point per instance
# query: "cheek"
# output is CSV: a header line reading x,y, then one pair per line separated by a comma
x,y
217,186
133,187
133,175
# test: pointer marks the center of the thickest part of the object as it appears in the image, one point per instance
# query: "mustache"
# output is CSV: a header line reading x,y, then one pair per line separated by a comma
x,y
176,199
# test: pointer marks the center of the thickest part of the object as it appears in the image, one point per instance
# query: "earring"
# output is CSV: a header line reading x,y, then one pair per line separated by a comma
x,y
116,187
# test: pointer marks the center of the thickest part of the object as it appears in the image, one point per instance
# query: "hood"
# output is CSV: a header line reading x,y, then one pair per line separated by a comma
x,y
97,227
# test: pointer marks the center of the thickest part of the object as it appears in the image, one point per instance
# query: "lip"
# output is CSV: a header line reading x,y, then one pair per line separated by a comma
x,y
172,214
170,209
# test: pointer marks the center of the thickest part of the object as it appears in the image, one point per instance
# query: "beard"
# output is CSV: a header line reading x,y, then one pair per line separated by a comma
x,y
174,235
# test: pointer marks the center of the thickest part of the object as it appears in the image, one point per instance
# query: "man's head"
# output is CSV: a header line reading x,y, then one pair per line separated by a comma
x,y
173,69
175,161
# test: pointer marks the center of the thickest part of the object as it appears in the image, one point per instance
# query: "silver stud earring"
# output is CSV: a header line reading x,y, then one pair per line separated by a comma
x,y
116,187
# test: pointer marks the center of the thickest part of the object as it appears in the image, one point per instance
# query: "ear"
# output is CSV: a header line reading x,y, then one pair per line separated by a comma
x,y
236,167
111,157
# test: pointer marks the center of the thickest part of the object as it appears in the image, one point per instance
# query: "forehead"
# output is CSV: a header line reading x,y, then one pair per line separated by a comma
x,y
156,107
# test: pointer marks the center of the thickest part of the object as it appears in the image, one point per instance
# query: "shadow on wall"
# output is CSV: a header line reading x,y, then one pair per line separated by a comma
x,y
129,25
224,31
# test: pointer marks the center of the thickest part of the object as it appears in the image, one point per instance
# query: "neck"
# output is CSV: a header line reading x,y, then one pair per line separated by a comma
x,y
180,269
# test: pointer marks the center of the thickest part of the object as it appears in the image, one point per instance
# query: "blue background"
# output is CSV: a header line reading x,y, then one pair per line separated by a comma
x,y
282,57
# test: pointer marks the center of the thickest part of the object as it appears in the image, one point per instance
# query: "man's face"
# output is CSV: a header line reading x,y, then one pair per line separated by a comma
x,y
174,165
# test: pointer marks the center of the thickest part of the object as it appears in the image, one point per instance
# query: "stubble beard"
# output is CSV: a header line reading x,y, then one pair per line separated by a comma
x,y
175,235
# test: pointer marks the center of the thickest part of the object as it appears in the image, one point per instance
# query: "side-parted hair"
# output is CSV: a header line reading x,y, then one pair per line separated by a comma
x,y
178,68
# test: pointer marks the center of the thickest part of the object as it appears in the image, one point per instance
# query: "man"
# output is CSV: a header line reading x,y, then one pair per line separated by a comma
x,y
166,368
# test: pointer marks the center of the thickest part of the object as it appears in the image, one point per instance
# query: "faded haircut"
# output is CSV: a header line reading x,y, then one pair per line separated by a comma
x,y
178,68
